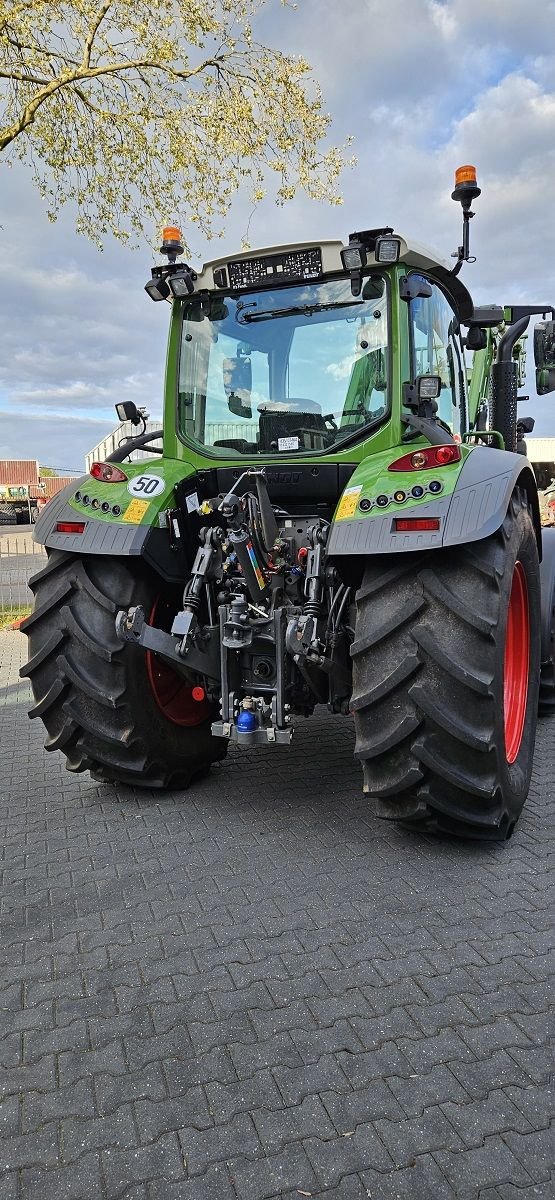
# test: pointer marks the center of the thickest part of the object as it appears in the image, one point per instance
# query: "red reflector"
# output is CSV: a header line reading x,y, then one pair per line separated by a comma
x,y
107,472
426,457
198,693
414,524
70,526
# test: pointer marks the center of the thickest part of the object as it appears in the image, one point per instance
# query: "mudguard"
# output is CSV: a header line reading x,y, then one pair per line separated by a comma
x,y
471,504
139,529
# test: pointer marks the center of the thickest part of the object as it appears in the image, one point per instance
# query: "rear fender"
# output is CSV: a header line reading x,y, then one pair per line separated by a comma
x,y
472,505
138,530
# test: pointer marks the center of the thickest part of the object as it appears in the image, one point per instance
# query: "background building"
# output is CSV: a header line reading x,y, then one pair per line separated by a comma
x,y
109,444
541,452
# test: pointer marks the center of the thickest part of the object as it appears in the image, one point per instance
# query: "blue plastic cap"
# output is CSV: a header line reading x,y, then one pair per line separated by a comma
x,y
246,721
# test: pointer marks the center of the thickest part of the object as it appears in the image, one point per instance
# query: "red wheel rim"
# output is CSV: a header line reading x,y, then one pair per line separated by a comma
x,y
172,693
517,663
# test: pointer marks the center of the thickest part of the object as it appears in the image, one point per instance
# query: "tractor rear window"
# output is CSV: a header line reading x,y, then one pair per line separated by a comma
x,y
294,370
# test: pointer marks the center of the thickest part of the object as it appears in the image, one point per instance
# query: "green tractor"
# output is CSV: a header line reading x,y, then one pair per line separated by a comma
x,y
341,515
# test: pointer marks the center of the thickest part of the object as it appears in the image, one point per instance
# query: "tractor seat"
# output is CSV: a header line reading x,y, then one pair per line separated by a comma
x,y
293,404
296,418
238,445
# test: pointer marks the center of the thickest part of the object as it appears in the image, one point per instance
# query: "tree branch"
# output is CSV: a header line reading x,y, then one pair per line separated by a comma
x,y
21,78
40,50
93,32
49,88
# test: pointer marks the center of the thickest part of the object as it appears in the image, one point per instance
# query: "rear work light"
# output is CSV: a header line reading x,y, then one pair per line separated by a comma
x,y
415,524
107,472
427,458
70,526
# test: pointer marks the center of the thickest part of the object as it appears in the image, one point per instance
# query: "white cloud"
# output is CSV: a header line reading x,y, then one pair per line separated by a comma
x,y
423,85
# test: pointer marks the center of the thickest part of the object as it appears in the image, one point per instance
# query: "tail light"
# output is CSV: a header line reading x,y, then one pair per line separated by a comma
x,y
70,526
108,472
429,456
415,524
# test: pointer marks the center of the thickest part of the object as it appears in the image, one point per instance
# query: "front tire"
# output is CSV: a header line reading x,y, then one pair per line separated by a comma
x,y
109,707
446,663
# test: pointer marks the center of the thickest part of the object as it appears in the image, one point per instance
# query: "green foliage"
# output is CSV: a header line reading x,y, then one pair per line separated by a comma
x,y
144,110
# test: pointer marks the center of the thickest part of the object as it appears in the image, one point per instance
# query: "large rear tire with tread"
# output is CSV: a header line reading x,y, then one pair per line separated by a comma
x,y
547,577
446,664
100,699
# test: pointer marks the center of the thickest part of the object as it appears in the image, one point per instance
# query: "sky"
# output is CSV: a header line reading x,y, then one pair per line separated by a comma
x,y
422,86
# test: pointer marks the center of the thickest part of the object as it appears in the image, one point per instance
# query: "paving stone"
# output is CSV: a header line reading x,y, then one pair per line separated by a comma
x,y
259,1091
534,1151
304,1120
495,1113
40,1107
215,1184
9,1185
407,1139
81,1181
236,975
80,1135
535,1191
418,1092
422,1180
274,1174
497,1070
311,1044
161,1161
186,1071
364,1105
374,1064
9,1116
279,1050
204,1148
358,1151
111,1091
30,1149
487,1165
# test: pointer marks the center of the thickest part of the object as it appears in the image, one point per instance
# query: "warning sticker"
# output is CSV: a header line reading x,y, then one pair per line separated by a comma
x,y
348,503
135,511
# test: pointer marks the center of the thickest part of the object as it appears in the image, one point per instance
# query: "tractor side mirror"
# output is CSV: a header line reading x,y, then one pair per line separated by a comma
x,y
545,381
544,344
476,338
237,377
544,356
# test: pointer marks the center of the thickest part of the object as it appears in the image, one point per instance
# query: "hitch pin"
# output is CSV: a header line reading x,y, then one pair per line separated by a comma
x,y
260,611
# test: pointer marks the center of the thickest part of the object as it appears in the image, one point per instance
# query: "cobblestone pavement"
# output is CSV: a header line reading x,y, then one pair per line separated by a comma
x,y
255,989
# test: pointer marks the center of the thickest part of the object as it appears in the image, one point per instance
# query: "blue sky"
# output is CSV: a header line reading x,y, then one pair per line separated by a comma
x,y
422,86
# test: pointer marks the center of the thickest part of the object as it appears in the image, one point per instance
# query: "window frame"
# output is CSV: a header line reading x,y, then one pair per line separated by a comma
x,y
336,447
461,384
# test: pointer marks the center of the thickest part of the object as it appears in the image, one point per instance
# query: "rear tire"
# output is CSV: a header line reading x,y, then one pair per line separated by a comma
x,y
95,694
430,671
547,576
